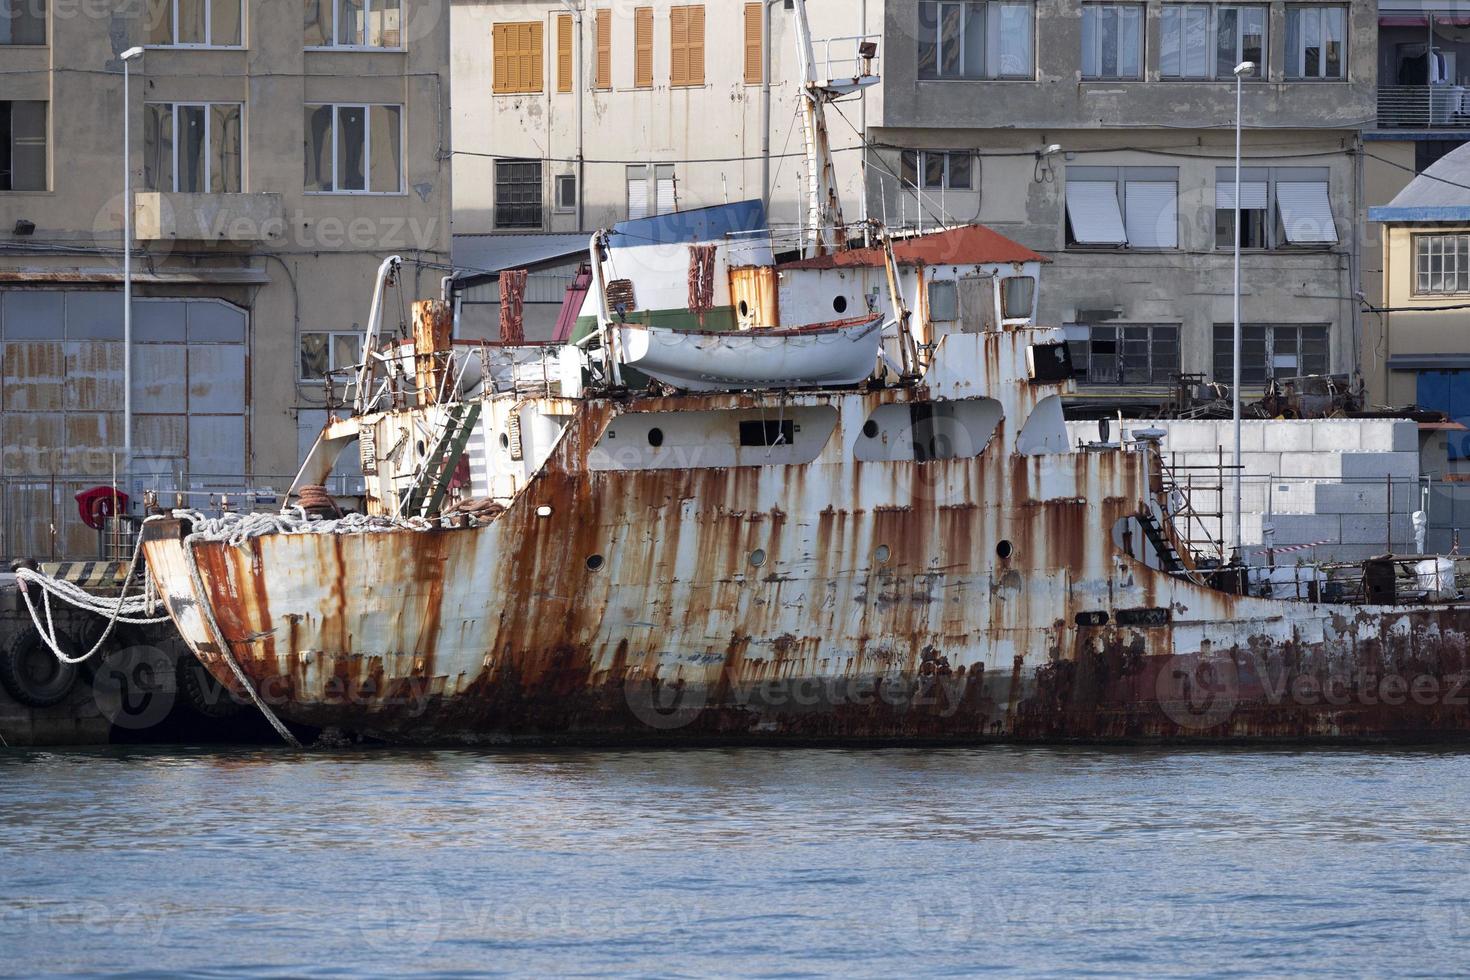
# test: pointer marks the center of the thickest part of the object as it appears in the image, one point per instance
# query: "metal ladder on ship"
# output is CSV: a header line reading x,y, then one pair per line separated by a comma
x,y
431,484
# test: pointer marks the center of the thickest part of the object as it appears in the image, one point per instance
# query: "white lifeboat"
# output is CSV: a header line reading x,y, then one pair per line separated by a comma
x,y
844,352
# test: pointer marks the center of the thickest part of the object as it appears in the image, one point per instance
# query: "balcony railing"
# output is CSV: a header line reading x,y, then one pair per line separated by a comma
x,y
1424,107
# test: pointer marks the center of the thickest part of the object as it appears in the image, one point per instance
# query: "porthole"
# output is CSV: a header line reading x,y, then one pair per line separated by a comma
x,y
757,558
420,446
504,441
870,428
744,308
594,562
1004,550
881,554
840,304
655,437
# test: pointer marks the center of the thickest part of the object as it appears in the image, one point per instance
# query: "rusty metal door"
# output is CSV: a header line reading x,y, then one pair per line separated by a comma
x,y
977,304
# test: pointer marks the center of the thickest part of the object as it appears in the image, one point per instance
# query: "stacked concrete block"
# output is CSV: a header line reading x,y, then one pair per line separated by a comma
x,y
1349,482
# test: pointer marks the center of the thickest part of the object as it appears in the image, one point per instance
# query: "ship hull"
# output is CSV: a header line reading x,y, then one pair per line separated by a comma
x,y
959,599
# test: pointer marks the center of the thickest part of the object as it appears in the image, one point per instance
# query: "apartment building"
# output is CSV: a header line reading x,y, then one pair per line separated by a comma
x,y
1102,136
572,116
279,150
1415,350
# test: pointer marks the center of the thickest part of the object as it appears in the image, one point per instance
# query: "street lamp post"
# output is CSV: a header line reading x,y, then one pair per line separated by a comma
x,y
128,57
1241,70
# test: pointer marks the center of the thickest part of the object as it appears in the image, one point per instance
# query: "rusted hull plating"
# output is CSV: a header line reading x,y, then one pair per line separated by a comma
x,y
844,600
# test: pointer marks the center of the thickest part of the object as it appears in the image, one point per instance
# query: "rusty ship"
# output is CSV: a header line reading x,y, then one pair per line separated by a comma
x,y
748,497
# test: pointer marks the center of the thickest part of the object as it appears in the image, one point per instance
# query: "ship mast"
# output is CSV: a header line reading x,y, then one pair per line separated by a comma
x,y
824,208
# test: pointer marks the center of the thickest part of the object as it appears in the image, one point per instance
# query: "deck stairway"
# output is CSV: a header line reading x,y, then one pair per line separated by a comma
x,y
431,482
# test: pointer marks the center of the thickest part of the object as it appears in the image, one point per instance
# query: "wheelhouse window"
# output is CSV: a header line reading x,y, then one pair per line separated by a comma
x,y
1017,297
192,147
195,23
22,22
1112,40
1280,207
22,145
976,39
1112,207
326,352
1315,42
1124,353
938,169
1441,264
354,149
1270,350
518,193
1207,41
353,24
944,301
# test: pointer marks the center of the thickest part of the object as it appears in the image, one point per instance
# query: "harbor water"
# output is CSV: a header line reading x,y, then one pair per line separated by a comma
x,y
252,862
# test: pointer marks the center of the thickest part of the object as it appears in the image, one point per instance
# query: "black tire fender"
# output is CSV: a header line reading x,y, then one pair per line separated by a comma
x,y
202,692
30,672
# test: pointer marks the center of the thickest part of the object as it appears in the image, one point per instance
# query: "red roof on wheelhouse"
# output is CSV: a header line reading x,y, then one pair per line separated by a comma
x,y
968,245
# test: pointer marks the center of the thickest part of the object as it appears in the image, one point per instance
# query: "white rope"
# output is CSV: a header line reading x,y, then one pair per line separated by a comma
x,y
134,610
237,529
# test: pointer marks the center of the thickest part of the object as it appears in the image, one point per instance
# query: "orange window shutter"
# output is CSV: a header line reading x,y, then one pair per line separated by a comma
x,y
533,58
678,45
500,38
604,49
753,60
643,47
564,53
696,45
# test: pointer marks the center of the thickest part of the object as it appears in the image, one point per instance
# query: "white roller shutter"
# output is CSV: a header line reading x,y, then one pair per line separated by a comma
x,y
1151,209
637,193
1092,207
1253,195
667,198
1306,213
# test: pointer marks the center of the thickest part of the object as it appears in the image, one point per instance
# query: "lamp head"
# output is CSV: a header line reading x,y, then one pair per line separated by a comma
x,y
1051,150
1245,68
131,53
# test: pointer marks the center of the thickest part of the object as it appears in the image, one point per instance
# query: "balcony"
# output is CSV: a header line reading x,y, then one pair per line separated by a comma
x,y
166,216
1424,107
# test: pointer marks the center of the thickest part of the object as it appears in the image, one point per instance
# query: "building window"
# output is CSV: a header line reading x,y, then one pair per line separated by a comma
x,y
22,146
194,23
686,45
353,24
192,147
326,352
564,52
938,169
22,22
602,77
1442,264
754,57
1112,40
1110,207
566,192
1125,353
1315,42
1204,41
517,58
1269,350
354,149
1017,297
518,193
1280,207
652,190
976,39
643,47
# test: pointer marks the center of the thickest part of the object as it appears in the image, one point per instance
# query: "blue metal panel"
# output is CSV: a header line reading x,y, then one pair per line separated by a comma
x,y
1448,392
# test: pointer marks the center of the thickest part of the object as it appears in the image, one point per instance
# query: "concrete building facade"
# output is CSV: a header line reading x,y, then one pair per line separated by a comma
x,y
1102,135
275,159
572,116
